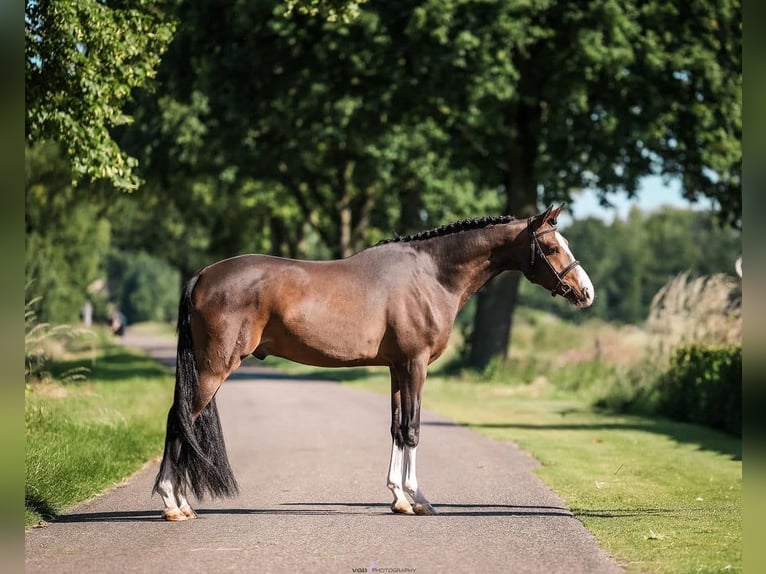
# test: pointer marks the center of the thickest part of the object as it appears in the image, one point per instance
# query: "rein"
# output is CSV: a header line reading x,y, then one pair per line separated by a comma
x,y
536,250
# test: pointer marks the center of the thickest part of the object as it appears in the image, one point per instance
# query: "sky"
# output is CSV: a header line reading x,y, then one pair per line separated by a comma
x,y
652,195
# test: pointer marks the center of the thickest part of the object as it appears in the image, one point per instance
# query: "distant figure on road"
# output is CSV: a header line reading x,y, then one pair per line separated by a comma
x,y
118,322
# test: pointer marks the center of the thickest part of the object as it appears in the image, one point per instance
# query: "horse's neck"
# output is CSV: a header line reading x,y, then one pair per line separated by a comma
x,y
469,259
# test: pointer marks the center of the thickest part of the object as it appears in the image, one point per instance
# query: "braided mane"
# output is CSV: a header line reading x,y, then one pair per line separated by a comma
x,y
450,228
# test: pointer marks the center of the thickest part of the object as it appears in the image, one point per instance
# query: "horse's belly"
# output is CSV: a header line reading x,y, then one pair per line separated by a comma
x,y
324,340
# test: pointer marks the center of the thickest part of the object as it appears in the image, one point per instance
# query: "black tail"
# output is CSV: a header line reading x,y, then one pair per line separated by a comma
x,y
195,453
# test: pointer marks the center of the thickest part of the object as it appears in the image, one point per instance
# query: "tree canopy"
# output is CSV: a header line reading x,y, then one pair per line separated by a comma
x,y
83,60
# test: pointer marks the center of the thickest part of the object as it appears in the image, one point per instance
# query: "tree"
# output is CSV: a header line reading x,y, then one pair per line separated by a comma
x,y
83,59
550,97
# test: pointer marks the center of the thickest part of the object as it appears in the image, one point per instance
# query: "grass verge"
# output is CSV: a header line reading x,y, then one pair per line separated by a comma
x,y
82,437
660,496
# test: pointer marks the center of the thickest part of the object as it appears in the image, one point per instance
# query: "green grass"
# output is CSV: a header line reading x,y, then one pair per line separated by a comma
x,y
154,328
82,437
658,495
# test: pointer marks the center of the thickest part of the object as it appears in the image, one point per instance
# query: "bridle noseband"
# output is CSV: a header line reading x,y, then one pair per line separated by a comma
x,y
561,288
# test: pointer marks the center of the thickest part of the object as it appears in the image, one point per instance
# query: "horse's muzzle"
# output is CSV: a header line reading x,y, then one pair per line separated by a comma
x,y
582,299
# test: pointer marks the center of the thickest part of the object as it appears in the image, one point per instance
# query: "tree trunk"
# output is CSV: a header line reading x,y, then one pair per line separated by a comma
x,y
492,323
345,213
496,302
344,221
281,243
361,215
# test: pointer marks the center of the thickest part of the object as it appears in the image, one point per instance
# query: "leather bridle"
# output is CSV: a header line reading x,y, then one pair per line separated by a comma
x,y
561,288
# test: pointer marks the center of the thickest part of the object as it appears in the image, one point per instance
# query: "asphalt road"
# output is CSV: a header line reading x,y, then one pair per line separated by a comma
x,y
311,459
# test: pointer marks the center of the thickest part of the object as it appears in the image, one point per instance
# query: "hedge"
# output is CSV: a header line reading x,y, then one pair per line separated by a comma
x,y
703,385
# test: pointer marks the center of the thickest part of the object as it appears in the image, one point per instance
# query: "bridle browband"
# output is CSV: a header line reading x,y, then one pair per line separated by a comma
x,y
561,288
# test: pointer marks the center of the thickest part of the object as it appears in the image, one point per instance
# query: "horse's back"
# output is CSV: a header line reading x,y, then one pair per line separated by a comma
x,y
367,271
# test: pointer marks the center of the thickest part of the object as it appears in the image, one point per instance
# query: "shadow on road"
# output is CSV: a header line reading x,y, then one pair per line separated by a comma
x,y
320,509
155,515
462,509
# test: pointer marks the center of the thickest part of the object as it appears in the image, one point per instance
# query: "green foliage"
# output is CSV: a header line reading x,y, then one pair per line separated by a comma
x,y
629,390
703,385
330,134
144,287
567,96
691,366
67,236
333,10
83,59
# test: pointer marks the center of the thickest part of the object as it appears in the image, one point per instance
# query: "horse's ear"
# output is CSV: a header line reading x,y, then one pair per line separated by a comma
x,y
554,215
538,220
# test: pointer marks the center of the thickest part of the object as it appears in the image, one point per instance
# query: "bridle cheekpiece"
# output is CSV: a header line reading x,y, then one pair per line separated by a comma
x,y
561,288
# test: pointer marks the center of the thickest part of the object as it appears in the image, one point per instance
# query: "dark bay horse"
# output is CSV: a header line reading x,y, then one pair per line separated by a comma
x,y
393,304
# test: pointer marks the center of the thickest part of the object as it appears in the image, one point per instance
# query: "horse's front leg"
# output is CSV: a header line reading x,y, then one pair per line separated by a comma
x,y
421,506
395,482
410,377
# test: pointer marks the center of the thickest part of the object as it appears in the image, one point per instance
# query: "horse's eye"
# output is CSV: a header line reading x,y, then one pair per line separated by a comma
x,y
554,250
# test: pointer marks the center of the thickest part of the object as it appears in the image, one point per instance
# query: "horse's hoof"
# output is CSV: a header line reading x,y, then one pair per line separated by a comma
x,y
174,515
401,507
425,510
188,512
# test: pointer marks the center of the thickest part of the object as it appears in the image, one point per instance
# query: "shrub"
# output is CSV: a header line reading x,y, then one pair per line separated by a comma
x,y
628,389
703,385
692,369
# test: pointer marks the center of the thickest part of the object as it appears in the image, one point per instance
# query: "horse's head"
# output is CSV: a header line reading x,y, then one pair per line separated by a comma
x,y
552,264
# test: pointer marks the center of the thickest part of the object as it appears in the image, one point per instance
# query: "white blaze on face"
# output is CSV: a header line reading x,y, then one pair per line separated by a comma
x,y
584,284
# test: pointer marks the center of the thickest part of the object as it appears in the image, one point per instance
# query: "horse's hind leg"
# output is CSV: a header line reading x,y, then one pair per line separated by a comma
x,y
167,483
221,354
183,503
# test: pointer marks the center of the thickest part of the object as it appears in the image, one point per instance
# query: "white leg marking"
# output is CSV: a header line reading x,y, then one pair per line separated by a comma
x,y
171,512
410,475
422,506
183,504
395,476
